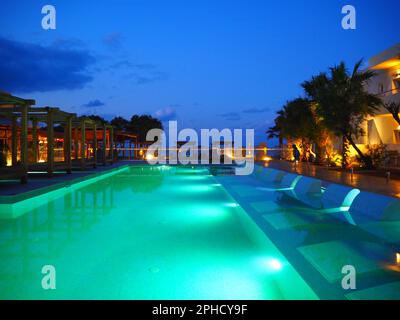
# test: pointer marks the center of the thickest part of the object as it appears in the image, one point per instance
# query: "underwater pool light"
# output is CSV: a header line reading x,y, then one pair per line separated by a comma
x,y
233,204
275,264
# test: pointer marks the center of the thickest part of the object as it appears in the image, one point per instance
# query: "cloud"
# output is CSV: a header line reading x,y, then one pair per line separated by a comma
x,y
130,65
139,73
231,116
166,114
93,104
68,43
140,79
27,67
256,110
113,40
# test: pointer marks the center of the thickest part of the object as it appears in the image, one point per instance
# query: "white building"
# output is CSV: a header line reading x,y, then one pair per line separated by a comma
x,y
382,128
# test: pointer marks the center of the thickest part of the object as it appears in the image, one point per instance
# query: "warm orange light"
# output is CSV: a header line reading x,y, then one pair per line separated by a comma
x,y
398,258
267,158
387,64
150,157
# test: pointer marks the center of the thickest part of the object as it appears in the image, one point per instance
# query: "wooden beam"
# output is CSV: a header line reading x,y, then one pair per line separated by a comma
x,y
14,141
83,140
76,143
34,140
6,99
112,144
24,137
50,144
95,145
104,144
68,145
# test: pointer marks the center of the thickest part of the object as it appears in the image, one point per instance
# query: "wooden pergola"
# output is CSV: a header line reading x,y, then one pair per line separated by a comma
x,y
14,109
81,156
48,115
8,104
126,141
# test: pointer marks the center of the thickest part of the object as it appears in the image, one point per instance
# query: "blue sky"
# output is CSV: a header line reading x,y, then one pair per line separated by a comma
x,y
205,63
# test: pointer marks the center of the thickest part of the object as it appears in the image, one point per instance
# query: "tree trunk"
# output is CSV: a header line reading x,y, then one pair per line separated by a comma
x,y
345,151
366,160
320,151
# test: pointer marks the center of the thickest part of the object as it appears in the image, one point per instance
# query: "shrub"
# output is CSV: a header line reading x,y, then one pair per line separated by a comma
x,y
376,155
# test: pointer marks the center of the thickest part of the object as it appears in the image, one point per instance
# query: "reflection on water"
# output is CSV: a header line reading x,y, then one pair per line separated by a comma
x,y
144,233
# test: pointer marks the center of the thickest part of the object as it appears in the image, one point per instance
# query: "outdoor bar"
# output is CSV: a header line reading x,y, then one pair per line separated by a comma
x,y
63,143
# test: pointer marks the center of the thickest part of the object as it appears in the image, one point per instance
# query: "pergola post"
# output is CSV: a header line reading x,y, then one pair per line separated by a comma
x,y
104,145
50,142
83,140
24,137
95,145
68,144
76,143
14,141
112,144
34,140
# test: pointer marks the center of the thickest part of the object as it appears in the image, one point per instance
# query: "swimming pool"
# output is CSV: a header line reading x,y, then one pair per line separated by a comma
x,y
161,232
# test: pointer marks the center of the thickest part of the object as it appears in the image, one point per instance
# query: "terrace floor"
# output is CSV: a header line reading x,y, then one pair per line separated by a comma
x,y
41,180
361,181
358,180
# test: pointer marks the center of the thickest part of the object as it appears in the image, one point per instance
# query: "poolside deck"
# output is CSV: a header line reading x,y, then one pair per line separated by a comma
x,y
361,181
42,181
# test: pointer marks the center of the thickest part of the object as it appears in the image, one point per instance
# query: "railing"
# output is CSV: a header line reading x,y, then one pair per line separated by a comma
x,y
392,95
392,91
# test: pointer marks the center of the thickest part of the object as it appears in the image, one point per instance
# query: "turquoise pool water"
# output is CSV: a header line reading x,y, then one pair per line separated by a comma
x,y
319,243
145,233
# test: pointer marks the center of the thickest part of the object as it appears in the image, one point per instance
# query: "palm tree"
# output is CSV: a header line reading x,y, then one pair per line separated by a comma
x,y
296,120
394,109
277,131
343,103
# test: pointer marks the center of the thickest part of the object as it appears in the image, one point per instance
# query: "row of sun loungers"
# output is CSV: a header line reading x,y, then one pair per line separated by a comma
x,y
372,212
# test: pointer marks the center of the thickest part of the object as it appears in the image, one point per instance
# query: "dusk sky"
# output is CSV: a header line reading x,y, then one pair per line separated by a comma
x,y
208,64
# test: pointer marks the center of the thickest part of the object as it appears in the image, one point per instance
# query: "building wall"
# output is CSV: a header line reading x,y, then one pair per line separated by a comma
x,y
383,128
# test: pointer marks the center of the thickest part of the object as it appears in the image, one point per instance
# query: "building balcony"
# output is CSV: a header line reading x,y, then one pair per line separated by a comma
x,y
388,97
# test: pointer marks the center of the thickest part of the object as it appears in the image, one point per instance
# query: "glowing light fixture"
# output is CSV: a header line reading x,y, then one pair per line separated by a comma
x,y
232,204
398,258
275,264
149,157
